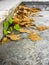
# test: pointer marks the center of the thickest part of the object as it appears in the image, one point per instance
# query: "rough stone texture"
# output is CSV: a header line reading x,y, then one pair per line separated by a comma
x,y
25,51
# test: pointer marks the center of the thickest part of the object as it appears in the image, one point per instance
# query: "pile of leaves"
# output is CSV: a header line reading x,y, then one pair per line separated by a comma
x,y
21,22
21,16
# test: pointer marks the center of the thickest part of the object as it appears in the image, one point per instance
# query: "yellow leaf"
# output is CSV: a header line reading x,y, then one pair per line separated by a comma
x,y
41,28
24,30
34,37
13,37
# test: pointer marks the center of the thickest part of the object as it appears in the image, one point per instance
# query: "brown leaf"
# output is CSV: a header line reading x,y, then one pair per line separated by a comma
x,y
34,10
16,20
26,19
28,25
24,30
5,39
13,37
34,37
41,28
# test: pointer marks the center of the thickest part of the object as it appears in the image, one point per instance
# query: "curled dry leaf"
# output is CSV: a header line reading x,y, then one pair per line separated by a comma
x,y
34,37
20,16
27,25
34,10
16,20
24,30
33,24
23,7
25,12
24,23
41,28
5,39
13,37
27,19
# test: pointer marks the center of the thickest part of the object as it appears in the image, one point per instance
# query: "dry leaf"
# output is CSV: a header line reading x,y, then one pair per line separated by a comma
x,y
13,37
26,19
28,25
41,28
16,20
23,7
34,37
5,39
34,10
24,30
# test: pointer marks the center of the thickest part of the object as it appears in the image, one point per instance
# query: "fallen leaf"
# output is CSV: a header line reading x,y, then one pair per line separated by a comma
x,y
34,10
13,37
5,39
28,25
27,19
34,37
41,28
24,30
16,20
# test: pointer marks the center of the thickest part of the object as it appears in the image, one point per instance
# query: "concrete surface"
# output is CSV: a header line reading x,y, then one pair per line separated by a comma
x,y
8,4
26,52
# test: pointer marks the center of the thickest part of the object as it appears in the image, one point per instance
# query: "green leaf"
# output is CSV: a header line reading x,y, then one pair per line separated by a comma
x,y
16,27
10,28
5,24
10,20
5,32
